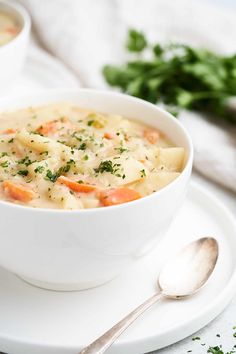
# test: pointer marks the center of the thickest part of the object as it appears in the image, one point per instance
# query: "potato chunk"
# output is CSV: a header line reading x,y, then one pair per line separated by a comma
x,y
170,159
154,182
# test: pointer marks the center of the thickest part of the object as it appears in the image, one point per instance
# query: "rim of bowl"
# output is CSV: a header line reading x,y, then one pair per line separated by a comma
x,y
167,115
26,23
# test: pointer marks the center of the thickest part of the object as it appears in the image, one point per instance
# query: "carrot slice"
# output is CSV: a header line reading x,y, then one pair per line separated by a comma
x,y
118,196
49,128
11,30
18,191
75,186
9,131
151,135
109,136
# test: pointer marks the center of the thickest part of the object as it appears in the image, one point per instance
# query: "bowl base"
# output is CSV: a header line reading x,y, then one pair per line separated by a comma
x,y
63,287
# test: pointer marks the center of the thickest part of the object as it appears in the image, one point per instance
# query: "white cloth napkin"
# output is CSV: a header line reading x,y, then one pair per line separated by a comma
x,y
86,34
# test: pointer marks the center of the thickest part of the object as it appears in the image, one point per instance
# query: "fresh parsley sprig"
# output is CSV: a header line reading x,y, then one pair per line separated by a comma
x,y
177,75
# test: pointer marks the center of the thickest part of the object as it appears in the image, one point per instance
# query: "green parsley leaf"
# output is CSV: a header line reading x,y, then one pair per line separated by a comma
x,y
83,146
136,41
215,350
143,173
3,154
121,149
4,164
50,176
39,169
25,161
107,166
23,173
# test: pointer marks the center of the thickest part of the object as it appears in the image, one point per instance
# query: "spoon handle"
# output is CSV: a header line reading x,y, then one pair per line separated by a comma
x,y
101,344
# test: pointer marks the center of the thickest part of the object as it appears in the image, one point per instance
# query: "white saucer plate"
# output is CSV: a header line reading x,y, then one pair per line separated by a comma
x,y
36,321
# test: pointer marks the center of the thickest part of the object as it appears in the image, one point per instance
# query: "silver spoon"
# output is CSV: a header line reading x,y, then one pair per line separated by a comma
x,y
182,276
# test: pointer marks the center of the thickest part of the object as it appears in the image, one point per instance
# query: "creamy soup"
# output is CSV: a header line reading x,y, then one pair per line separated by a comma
x,y
62,156
8,28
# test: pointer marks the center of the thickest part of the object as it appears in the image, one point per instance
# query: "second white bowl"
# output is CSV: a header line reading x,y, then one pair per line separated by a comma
x,y
12,54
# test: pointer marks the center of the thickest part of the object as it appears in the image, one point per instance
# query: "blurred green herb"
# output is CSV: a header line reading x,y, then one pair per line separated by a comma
x,y
136,41
178,75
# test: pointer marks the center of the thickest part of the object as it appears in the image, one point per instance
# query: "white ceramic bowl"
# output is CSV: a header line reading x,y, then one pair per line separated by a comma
x,y
12,54
69,250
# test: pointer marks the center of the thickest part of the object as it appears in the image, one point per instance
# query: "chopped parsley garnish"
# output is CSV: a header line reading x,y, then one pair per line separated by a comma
x,y
74,135
85,158
121,149
71,162
25,161
39,169
82,146
216,350
44,153
108,166
4,164
10,141
143,174
23,172
50,176
90,122
36,132
196,338
3,154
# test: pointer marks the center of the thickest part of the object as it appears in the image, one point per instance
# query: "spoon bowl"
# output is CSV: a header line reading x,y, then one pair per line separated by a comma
x,y
189,271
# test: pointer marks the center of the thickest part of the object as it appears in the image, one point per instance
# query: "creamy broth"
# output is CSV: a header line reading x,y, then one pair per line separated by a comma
x,y
8,28
65,157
